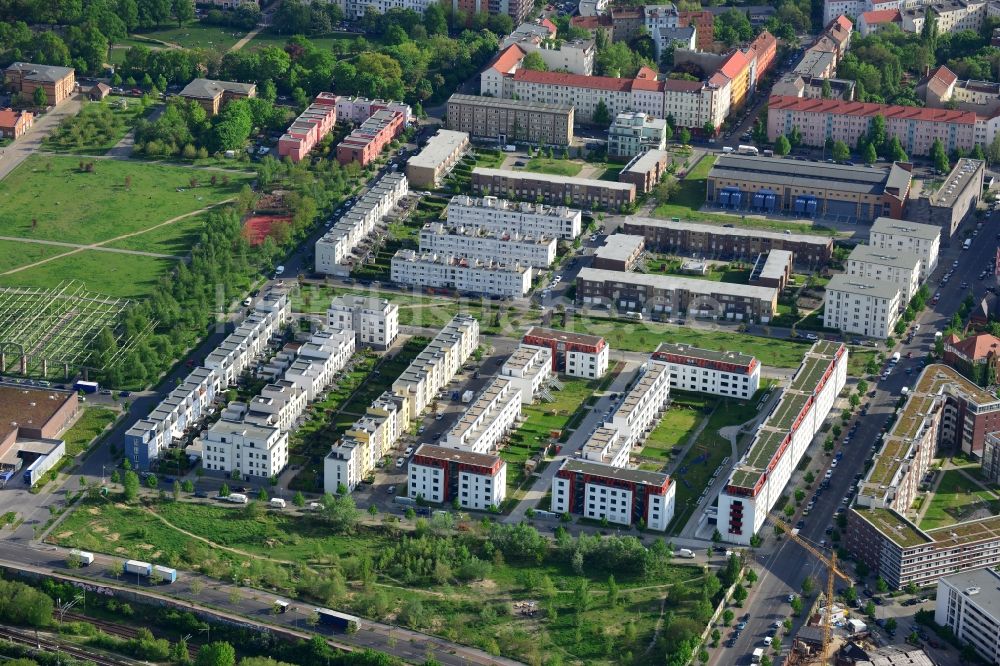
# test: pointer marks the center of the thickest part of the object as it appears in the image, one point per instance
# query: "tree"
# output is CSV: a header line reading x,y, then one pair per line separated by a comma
x,y
130,486
177,490
340,511
613,592
601,114
187,486
795,137
782,146
895,153
299,499
850,595
977,152
808,586
533,60
939,156
890,625
183,11
39,97
708,128
373,511
870,609
929,31
219,653
881,585
740,595
826,91
435,20
840,151
224,490
262,495
684,136
796,605
151,481
716,536
727,617
911,588
868,154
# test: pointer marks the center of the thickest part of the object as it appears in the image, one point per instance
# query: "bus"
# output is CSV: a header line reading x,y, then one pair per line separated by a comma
x,y
341,621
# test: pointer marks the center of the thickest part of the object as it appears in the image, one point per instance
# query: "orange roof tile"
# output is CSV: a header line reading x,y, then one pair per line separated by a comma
x,y
978,346
507,59
840,107
574,80
734,65
551,26
881,16
11,118
844,22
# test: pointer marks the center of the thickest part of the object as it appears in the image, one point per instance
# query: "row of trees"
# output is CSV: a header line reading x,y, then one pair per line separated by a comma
x,y
186,123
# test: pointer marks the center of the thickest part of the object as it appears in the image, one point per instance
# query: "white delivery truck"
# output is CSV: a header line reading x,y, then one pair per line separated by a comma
x,y
896,357
82,557
467,396
685,553
757,655
237,498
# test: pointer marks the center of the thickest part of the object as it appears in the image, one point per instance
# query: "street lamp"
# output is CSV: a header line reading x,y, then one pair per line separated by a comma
x,y
63,607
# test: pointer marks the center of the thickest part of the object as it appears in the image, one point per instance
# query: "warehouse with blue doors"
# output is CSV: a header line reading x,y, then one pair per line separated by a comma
x,y
807,189
31,421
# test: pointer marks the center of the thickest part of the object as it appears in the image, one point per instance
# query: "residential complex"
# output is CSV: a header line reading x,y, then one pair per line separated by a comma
x,y
645,170
366,142
620,252
212,95
506,121
573,354
968,603
359,109
501,216
575,56
479,243
761,475
923,240
26,77
550,189
529,370
862,305
899,267
772,269
808,189
727,243
191,400
309,128
435,366
444,475
943,409
428,168
633,133
634,417
728,374
673,295
334,251
619,495
952,203
255,451
472,276
375,321
487,420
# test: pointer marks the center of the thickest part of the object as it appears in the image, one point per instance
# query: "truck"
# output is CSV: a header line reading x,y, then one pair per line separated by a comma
x,y
756,655
686,553
86,387
747,150
895,357
342,621
237,498
467,396
277,503
82,557
138,568
166,574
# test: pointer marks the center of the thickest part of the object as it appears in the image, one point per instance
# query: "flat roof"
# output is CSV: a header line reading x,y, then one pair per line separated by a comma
x,y
28,406
439,148
775,264
892,525
620,247
986,586
519,105
821,175
563,336
456,455
551,178
647,161
241,428
855,284
720,230
957,181
738,358
210,89
887,225
600,469
885,257
674,282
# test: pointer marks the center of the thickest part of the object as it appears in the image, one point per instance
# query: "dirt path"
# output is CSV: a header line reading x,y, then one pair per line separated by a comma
x,y
39,241
100,246
243,42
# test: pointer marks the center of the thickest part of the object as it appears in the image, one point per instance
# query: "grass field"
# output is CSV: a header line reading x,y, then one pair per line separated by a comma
x,y
107,273
676,426
556,167
196,36
956,497
266,38
97,128
90,424
716,272
16,253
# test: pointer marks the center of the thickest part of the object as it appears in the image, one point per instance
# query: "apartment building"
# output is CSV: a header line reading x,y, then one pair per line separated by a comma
x,y
319,359
898,267
642,406
489,418
334,251
255,451
727,374
357,110
496,79
444,475
634,133
366,142
212,95
500,216
943,409
808,189
950,15
672,295
375,321
510,121
573,354
529,370
26,77
772,269
620,252
954,202
704,25
437,364
13,124
553,190
662,23
862,305
645,170
620,496
728,243
969,604
278,405
575,56
923,240
309,128
472,276
977,357
428,168
518,10
916,127
355,455
759,479
871,22
483,244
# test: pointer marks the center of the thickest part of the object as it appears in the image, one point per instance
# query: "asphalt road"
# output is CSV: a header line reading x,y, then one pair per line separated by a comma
x,y
11,156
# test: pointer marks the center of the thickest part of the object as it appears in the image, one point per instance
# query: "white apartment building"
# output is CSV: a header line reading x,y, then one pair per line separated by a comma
x,y
951,15
436,365
861,305
477,276
359,109
621,496
729,374
587,364
256,451
375,321
663,26
320,359
438,474
834,8
502,216
923,240
528,369
483,244
634,133
968,603
574,56
607,445
370,438
488,419
334,249
899,267
278,405
641,408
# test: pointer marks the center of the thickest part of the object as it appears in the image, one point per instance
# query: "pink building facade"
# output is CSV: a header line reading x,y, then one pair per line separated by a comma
x,y
309,128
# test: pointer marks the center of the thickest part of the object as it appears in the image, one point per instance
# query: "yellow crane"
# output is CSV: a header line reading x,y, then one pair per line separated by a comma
x,y
832,570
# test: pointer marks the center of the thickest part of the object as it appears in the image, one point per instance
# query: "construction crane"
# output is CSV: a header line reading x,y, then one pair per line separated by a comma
x,y
832,570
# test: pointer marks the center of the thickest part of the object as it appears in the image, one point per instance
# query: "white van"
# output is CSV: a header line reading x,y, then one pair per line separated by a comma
x,y
727,149
237,498
967,244
277,503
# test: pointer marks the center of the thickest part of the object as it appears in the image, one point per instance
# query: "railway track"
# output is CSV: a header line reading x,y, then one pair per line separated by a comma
x,y
47,645
119,630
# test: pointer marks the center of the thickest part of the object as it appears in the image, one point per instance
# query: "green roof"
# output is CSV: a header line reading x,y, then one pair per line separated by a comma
x,y
788,410
901,531
765,447
809,373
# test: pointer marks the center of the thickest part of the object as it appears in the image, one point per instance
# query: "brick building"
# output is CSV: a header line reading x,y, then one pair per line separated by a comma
x,y
26,77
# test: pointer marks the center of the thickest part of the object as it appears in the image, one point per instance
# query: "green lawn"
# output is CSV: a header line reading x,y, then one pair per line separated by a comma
x,y
174,239
15,253
555,166
266,38
611,172
97,128
196,36
956,498
90,424
676,426
108,273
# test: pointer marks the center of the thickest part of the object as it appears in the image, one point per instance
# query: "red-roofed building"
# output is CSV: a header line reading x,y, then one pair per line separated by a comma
x,y
309,128
762,52
977,357
704,25
366,142
871,22
916,127
492,79
15,123
594,24
737,69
